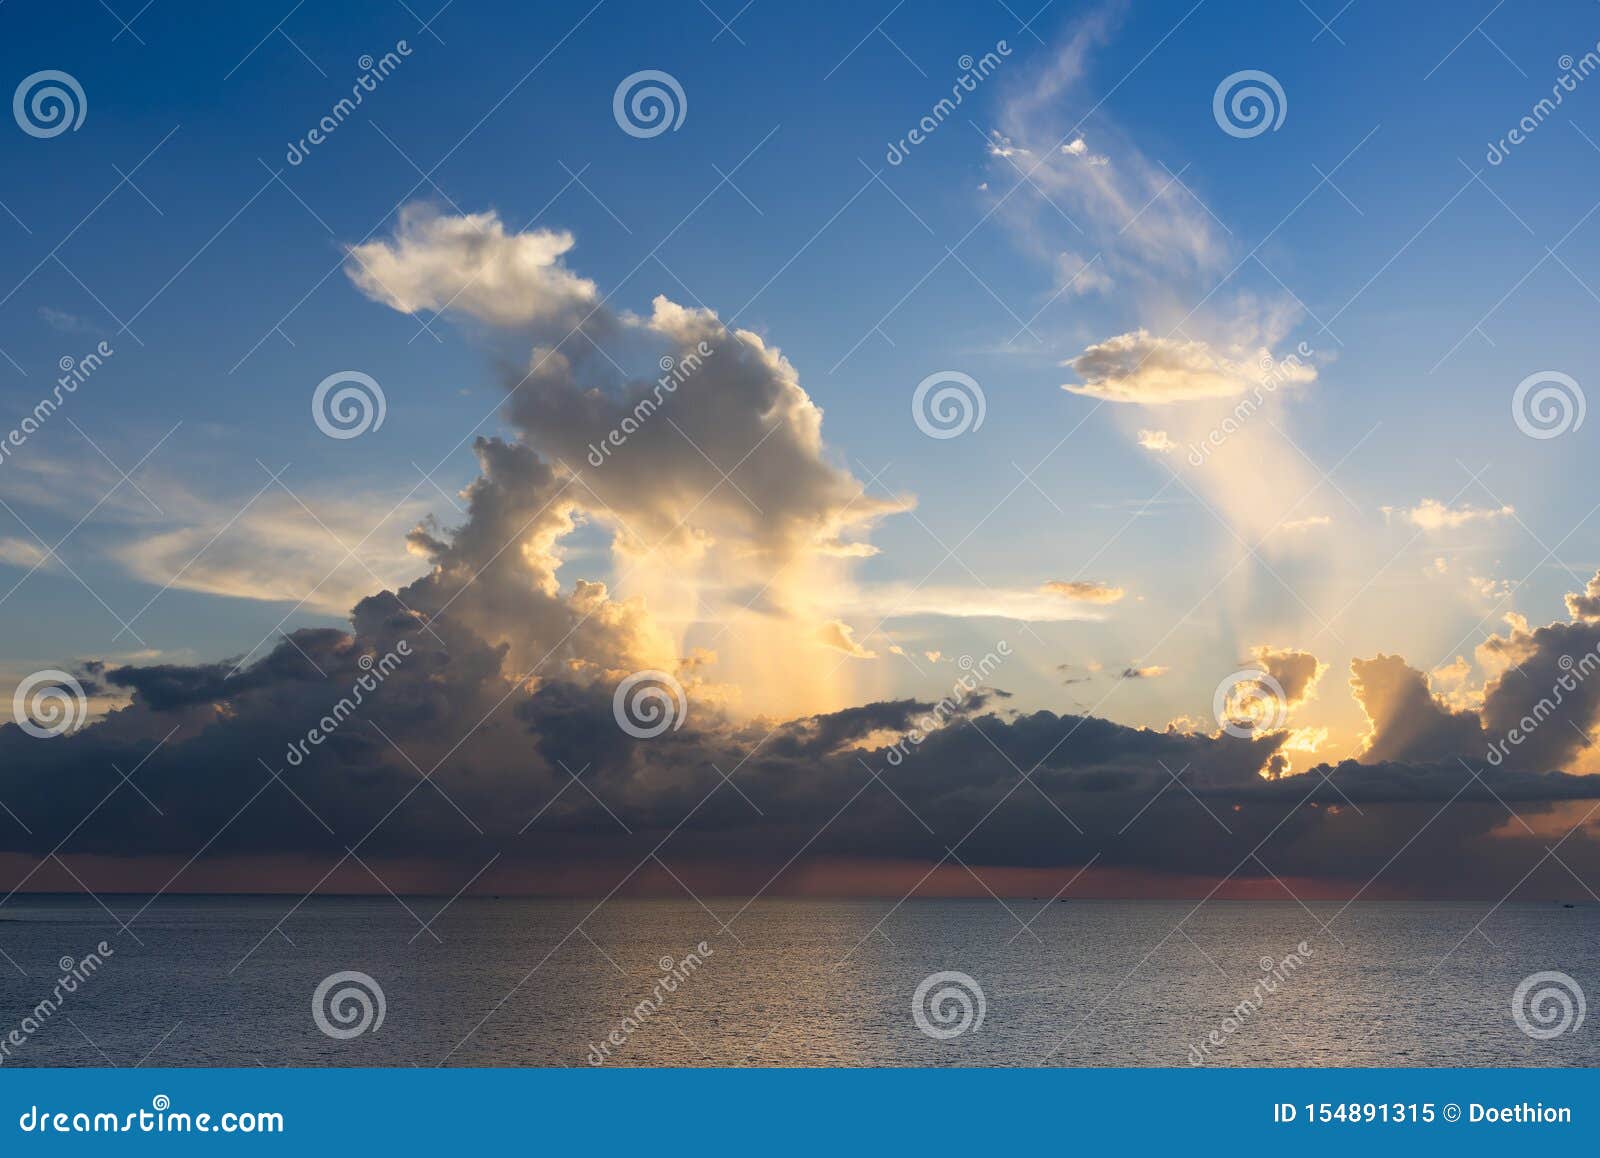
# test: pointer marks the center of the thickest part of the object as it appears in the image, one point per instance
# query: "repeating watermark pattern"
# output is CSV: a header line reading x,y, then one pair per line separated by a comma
x,y
648,703
377,671
1274,974
74,373
352,999
1547,404
648,103
674,975
1574,673
355,407
1250,702
48,704
948,1004
74,973
947,404
975,672
973,73
48,103
674,373
1548,1004
1249,102
373,73
1274,373
1573,73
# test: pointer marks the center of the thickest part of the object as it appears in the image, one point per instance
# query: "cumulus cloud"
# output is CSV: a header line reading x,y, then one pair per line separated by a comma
x,y
1140,367
1296,672
1157,440
1433,515
472,265
1085,590
841,637
1585,605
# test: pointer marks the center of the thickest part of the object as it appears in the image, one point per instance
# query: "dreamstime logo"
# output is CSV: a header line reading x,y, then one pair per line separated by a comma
x,y
49,703
674,373
1547,1005
1250,702
1548,403
973,72
352,410
74,373
948,1004
648,703
648,103
49,103
74,973
1275,973
373,73
1573,673
947,404
674,975
975,672
1248,103
351,998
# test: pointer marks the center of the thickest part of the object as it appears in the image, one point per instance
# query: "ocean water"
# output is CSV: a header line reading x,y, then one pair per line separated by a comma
x,y
231,981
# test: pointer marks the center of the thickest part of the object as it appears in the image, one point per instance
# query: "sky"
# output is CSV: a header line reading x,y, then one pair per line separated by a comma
x,y
1094,441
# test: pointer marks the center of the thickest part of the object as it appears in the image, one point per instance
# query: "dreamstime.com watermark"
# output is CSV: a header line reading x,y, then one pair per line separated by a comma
x,y
1274,974
1548,1004
674,373
347,1004
160,1118
73,974
377,671
49,103
948,1004
674,975
1574,672
947,404
373,73
1274,373
1573,73
973,73
649,703
976,672
74,373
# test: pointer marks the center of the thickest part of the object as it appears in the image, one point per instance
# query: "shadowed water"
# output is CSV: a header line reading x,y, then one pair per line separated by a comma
x,y
220,981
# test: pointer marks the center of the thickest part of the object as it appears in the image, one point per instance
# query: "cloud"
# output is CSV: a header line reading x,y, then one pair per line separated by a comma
x,y
1151,672
693,446
21,553
1157,440
840,636
1296,672
1141,368
1310,522
1585,606
276,550
470,264
1085,591
1028,605
1432,515
1406,722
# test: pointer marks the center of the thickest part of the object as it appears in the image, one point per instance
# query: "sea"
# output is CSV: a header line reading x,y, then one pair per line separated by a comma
x,y
485,981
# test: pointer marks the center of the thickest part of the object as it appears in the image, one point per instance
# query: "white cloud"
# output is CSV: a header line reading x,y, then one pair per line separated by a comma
x,y
1432,515
1142,368
472,265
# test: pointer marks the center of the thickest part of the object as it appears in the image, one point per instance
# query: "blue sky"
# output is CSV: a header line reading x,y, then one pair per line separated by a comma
x,y
1427,294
